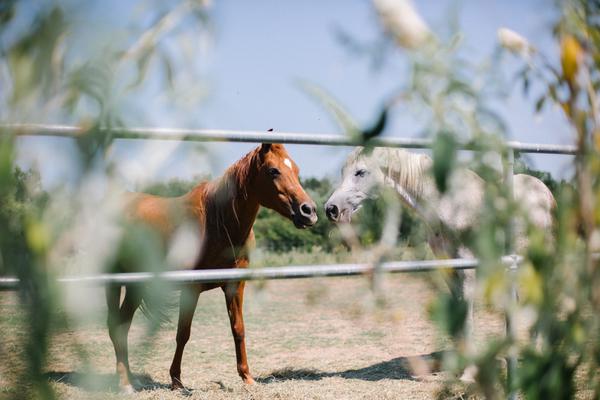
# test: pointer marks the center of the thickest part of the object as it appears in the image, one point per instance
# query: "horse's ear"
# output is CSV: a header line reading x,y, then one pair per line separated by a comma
x,y
265,147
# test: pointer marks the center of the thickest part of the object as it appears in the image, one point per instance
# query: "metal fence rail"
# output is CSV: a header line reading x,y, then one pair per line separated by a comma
x,y
220,135
287,272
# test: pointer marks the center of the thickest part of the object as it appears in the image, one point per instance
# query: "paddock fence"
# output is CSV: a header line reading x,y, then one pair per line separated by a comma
x,y
286,272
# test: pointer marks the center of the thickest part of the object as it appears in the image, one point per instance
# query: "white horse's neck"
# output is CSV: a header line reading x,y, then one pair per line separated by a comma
x,y
458,208
406,172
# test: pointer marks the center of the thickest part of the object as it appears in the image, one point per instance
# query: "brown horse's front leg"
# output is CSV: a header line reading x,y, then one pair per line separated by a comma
x,y
234,297
187,306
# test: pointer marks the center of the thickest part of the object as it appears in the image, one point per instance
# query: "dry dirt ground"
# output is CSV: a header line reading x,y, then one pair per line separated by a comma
x,y
306,339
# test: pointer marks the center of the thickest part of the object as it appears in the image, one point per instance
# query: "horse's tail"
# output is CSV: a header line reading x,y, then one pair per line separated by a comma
x,y
156,306
157,316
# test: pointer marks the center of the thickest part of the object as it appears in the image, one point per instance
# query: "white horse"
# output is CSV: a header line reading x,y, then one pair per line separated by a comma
x,y
448,215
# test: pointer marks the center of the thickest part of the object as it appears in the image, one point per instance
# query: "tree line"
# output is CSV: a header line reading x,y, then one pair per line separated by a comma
x,y
276,234
273,233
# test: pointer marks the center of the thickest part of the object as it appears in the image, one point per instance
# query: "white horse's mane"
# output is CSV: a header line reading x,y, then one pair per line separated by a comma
x,y
407,169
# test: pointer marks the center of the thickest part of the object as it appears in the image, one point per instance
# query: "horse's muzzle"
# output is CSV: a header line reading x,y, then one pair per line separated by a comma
x,y
340,214
332,211
305,216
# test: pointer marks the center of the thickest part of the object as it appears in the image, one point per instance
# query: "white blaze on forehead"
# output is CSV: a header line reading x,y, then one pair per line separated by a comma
x,y
288,163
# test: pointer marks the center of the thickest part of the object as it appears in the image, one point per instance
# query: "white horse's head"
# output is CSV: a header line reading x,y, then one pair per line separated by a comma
x,y
361,175
366,171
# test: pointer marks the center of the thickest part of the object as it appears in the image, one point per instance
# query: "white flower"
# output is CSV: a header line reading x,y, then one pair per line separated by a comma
x,y
514,42
402,21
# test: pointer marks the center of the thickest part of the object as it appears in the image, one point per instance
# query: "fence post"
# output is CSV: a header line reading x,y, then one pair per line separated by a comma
x,y
511,360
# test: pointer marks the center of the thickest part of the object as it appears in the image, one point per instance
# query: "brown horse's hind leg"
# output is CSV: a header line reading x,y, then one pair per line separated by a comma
x,y
187,307
119,322
234,297
113,297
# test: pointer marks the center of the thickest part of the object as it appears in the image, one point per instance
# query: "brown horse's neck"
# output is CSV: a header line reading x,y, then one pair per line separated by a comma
x,y
230,208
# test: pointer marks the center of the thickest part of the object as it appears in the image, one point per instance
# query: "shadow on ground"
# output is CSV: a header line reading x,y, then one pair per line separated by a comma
x,y
93,382
405,368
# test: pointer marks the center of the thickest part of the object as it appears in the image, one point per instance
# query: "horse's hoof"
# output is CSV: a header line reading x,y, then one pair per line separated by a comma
x,y
249,380
176,384
127,389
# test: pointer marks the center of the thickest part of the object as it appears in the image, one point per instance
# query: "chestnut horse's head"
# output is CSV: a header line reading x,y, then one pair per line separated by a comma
x,y
278,186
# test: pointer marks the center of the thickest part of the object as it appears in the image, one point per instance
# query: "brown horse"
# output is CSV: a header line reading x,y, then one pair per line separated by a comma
x,y
222,213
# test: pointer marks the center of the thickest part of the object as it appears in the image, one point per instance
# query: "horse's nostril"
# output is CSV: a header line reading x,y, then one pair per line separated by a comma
x,y
306,210
332,211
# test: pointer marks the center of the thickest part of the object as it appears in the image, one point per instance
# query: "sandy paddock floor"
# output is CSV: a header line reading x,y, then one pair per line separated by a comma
x,y
306,339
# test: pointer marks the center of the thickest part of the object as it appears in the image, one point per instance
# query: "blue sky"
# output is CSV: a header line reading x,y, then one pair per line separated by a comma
x,y
261,48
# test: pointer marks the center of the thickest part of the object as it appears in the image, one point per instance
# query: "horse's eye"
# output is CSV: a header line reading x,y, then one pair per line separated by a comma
x,y
360,172
274,172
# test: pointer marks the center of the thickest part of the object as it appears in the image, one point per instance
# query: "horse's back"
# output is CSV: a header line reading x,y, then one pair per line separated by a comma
x,y
460,205
174,220
155,211
536,209
535,199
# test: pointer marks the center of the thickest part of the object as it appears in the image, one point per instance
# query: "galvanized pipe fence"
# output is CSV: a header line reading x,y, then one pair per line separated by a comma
x,y
221,135
248,274
290,272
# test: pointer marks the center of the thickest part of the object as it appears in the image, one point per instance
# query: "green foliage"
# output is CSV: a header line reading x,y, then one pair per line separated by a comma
x,y
546,375
450,313
16,206
50,74
558,281
23,243
277,234
444,159
28,59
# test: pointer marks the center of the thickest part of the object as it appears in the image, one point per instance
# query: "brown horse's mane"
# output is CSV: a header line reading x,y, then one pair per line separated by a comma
x,y
237,176
218,202
234,178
